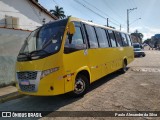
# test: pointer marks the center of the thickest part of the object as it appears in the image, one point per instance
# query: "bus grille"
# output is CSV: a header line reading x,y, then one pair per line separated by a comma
x,y
27,88
27,75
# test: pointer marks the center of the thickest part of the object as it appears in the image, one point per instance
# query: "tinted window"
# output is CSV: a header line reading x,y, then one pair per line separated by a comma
x,y
124,40
102,38
136,45
118,39
77,41
92,38
129,40
77,38
112,38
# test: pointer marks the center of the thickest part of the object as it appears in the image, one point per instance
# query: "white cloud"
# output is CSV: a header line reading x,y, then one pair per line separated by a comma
x,y
148,32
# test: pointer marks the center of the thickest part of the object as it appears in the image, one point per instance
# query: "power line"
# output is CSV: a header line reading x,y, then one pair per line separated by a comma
x,y
101,11
136,15
90,9
55,2
134,3
93,11
108,6
113,23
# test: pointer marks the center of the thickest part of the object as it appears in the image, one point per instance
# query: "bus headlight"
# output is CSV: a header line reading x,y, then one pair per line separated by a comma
x,y
49,71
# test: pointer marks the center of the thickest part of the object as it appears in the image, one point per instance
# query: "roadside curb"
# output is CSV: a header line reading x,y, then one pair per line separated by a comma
x,y
10,96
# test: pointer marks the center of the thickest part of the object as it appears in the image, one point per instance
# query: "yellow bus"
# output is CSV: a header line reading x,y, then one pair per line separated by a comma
x,y
68,55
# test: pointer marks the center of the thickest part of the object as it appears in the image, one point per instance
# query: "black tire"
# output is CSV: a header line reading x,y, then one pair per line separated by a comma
x,y
124,68
143,55
81,86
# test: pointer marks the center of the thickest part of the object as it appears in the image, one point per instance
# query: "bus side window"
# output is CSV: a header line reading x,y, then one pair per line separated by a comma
x,y
91,35
112,38
102,37
77,42
124,39
118,39
129,40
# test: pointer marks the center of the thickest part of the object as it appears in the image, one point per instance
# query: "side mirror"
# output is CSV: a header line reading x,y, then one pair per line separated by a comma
x,y
71,28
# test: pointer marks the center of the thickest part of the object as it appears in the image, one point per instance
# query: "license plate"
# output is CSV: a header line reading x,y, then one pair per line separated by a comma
x,y
24,82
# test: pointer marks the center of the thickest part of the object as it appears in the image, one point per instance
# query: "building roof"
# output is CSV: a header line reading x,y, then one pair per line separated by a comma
x,y
43,9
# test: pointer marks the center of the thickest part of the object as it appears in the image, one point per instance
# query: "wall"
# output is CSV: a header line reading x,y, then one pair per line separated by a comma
x,y
10,44
30,16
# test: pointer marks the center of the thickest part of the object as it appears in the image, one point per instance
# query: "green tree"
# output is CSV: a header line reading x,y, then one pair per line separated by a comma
x,y
147,41
58,12
138,35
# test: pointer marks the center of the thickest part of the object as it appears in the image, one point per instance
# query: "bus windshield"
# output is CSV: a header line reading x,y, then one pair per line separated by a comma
x,y
45,40
136,45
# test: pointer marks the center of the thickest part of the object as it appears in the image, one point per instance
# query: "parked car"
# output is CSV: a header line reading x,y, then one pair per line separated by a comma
x,y
138,51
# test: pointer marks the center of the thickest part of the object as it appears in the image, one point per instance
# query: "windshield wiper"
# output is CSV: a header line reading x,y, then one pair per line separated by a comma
x,y
23,56
38,51
25,53
51,39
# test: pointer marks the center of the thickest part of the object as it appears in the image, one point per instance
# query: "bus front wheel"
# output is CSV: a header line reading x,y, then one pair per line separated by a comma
x,y
81,86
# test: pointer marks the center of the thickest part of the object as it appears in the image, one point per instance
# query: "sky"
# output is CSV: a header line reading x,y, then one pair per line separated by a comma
x,y
145,19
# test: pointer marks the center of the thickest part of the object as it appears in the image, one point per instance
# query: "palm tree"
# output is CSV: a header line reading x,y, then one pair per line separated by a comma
x,y
58,12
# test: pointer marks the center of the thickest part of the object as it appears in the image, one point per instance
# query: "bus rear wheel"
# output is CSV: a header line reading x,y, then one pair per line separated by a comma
x,y
81,86
124,68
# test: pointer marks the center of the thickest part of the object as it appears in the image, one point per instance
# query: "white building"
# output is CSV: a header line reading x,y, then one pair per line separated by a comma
x,y
17,19
23,14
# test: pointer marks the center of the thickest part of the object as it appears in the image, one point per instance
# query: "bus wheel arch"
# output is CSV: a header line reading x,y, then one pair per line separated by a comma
x,y
81,84
86,74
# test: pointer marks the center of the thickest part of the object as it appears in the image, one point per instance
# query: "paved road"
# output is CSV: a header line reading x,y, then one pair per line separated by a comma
x,y
136,90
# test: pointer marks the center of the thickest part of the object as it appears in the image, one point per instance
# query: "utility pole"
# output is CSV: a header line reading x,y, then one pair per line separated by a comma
x,y
107,22
120,27
128,11
127,20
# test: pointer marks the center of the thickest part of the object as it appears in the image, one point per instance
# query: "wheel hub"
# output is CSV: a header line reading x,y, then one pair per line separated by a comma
x,y
79,86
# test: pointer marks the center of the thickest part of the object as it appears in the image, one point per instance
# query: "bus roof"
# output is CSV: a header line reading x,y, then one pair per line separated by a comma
x,y
93,24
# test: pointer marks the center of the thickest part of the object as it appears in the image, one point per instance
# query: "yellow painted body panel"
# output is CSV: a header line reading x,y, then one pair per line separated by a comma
x,y
74,63
98,62
48,81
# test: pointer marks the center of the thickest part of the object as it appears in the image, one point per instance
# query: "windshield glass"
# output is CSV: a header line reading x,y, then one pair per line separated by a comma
x,y
47,38
136,45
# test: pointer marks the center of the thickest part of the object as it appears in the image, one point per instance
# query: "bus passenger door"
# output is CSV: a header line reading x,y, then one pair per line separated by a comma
x,y
75,56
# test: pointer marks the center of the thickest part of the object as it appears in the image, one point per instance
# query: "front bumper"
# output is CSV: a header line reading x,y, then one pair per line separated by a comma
x,y
47,86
